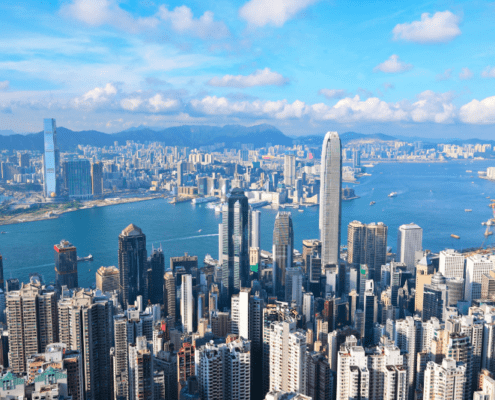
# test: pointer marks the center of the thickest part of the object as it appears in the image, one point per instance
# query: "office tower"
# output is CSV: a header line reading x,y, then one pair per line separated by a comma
x,y
352,371
108,279
409,241
319,382
289,169
181,169
424,273
435,298
308,307
445,381
256,308
140,370
189,263
239,324
132,264
155,281
455,289
65,265
169,295
488,285
187,304
224,370
97,178
32,322
85,325
51,159
451,264
407,338
234,244
23,160
219,323
2,284
370,312
77,174
283,249
12,284
294,287
476,266
367,244
330,198
254,228
356,158
310,247
254,259
287,357
186,366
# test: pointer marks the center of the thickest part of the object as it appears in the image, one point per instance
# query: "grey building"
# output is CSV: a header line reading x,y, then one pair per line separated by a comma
x,y
283,249
51,159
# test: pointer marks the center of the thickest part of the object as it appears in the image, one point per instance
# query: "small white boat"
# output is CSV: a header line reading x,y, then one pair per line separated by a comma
x,y
393,194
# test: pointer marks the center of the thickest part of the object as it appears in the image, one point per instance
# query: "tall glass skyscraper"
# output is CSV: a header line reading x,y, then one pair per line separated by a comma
x,y
51,158
283,248
330,198
78,178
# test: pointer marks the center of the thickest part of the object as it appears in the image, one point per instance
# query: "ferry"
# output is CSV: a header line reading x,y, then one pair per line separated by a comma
x,y
300,210
455,236
88,258
258,204
393,194
373,202
209,199
468,210
469,171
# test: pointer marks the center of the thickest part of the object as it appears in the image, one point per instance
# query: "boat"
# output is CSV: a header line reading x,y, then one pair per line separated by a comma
x,y
393,194
209,199
300,210
368,165
468,210
258,203
373,202
88,258
3,232
455,236
200,230
489,233
469,171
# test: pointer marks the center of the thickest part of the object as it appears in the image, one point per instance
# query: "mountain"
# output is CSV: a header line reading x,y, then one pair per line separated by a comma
x,y
187,135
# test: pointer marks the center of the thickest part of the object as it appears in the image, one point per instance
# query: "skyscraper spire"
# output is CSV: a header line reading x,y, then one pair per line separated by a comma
x,y
330,198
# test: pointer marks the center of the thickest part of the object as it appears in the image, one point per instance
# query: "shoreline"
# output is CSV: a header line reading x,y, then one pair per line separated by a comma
x,y
54,214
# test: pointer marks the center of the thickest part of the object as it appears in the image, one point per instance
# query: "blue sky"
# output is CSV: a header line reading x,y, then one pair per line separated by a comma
x,y
305,66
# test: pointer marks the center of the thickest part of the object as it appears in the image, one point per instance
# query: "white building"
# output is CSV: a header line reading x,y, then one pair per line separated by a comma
x,y
352,372
187,303
308,307
289,169
451,264
476,266
409,241
240,313
444,382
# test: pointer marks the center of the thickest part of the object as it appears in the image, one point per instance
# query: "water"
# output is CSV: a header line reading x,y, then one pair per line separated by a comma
x,y
432,195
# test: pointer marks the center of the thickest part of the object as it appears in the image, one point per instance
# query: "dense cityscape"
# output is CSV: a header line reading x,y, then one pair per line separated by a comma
x,y
335,321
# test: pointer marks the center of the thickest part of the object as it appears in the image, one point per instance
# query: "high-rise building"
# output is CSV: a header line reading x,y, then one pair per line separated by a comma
x,y
140,370
51,159
370,312
294,287
308,309
452,264
32,322
310,246
445,381
85,326
23,159
187,304
77,174
234,244
319,381
424,273
169,295
2,284
283,250
154,276
330,198
289,169
108,279
435,298
186,261
132,264
66,265
409,241
224,371
97,178
240,305
353,375
254,228
476,266
181,169
186,365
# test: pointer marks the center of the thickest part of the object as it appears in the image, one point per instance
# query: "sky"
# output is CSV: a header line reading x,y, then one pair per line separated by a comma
x,y
305,66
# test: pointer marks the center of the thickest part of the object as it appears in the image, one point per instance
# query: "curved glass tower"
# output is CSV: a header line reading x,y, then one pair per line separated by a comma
x,y
330,198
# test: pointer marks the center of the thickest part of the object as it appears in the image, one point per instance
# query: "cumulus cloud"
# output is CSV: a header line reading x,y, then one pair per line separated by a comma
x,y
465,74
393,65
158,103
261,77
96,95
445,75
488,72
4,85
433,107
333,93
441,27
182,20
275,12
478,112
131,104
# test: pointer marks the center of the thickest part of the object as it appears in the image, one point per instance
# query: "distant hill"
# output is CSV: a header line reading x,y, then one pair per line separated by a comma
x,y
187,135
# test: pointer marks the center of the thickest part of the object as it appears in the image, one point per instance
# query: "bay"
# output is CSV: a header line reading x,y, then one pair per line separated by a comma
x,y
434,196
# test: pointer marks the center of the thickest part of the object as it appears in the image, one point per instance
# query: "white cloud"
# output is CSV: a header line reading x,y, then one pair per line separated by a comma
x,y
131,104
4,85
96,95
393,65
433,107
465,74
182,21
276,12
333,93
488,72
261,77
478,112
157,103
445,75
439,28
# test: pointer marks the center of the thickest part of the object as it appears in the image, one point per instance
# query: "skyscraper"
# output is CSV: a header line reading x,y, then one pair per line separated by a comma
x,y
234,244
108,279
51,160
283,249
169,295
289,169
97,178
445,381
78,178
476,266
132,264
330,198
409,241
187,304
66,265
140,370
154,276
254,228
2,285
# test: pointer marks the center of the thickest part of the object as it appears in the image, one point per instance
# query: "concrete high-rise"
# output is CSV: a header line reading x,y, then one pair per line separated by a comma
x,y
240,313
140,370
476,266
452,264
97,178
65,265
330,198
169,296
234,244
445,381
2,284
108,279
51,159
132,264
187,304
409,241
254,228
289,169
283,249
